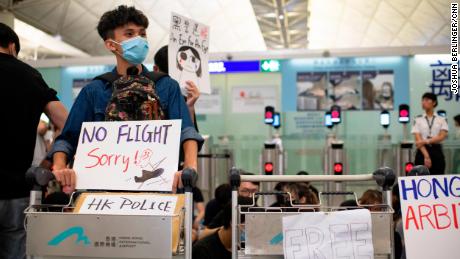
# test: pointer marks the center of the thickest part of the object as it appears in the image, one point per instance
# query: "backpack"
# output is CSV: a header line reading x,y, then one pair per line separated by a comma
x,y
133,97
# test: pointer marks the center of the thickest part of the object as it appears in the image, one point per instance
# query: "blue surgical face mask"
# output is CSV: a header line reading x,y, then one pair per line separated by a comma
x,y
134,50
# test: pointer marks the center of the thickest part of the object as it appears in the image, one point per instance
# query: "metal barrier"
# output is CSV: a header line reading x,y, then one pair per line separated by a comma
x,y
255,247
212,159
55,231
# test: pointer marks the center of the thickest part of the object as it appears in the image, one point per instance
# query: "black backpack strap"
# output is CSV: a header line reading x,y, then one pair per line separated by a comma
x,y
155,76
109,77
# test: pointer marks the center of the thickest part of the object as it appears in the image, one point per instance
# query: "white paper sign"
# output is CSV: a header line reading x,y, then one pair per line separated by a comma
x,y
252,99
126,204
430,207
341,234
209,103
128,155
188,52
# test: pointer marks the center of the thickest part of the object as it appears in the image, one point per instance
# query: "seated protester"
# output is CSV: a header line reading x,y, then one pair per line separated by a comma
x,y
124,33
245,193
301,194
222,195
280,198
313,188
219,243
247,189
370,198
305,195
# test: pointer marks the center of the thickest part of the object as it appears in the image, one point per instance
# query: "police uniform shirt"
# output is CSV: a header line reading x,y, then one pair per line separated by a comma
x,y
429,127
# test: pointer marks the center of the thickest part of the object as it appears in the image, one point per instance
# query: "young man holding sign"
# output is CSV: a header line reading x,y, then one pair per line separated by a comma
x,y
124,33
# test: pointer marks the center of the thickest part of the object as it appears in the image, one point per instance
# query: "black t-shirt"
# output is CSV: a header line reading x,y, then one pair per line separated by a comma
x,y
24,95
197,195
212,209
210,247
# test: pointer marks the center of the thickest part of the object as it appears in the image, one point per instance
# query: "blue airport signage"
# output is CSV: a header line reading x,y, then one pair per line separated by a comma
x,y
221,67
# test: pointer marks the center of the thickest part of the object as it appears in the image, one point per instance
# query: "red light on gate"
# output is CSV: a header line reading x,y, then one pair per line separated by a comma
x,y
268,168
408,167
338,168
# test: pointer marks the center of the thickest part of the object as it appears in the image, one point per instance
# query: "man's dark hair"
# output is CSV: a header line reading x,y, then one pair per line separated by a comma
x,y
223,193
303,173
432,97
227,215
457,118
195,53
118,17
161,59
248,173
7,36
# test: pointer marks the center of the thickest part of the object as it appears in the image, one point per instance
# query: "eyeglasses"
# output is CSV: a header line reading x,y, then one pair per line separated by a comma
x,y
247,192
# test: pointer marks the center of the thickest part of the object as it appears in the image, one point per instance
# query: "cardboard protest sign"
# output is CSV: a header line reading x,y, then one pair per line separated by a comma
x,y
135,204
128,155
341,234
188,53
430,207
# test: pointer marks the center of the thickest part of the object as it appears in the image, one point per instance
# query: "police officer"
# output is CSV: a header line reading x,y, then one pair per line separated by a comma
x,y
429,131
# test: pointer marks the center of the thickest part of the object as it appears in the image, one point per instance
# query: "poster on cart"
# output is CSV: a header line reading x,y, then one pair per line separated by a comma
x,y
430,207
188,53
341,234
128,155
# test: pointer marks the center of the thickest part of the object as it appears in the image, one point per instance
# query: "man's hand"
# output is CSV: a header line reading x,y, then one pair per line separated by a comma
x,y
193,93
427,161
177,181
66,178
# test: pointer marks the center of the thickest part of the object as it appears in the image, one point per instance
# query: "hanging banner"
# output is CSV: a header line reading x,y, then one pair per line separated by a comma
x,y
430,207
188,53
128,155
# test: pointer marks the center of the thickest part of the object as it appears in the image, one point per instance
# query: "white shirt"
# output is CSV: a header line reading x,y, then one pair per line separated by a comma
x,y
422,125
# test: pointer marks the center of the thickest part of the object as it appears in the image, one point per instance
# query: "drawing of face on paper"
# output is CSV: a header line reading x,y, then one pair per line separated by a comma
x,y
188,62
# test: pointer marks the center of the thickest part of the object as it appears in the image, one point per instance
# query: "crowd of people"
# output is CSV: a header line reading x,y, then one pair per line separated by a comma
x,y
35,141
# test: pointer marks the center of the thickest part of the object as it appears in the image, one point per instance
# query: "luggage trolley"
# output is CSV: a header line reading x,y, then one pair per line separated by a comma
x,y
133,236
267,222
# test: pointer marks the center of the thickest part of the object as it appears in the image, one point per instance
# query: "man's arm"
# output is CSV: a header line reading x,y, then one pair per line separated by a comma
x,y
192,97
57,113
190,154
66,143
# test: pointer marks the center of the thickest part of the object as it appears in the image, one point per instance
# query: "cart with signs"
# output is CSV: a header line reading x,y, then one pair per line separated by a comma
x,y
260,232
133,214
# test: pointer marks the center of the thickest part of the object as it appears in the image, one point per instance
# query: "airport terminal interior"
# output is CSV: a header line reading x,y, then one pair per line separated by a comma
x,y
314,129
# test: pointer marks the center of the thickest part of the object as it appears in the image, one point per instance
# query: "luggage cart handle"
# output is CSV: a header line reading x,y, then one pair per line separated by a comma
x,y
338,193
